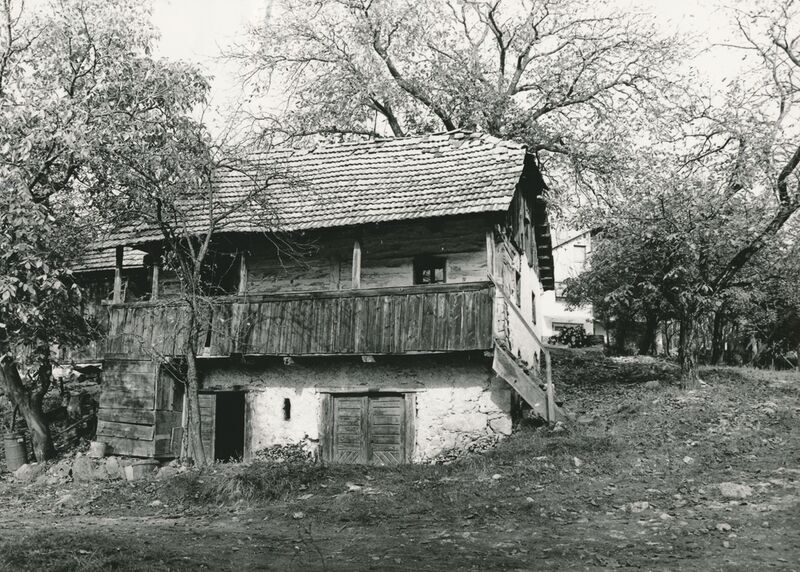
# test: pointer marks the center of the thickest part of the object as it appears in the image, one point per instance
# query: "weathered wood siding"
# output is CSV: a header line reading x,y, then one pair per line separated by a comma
x,y
322,260
139,407
444,317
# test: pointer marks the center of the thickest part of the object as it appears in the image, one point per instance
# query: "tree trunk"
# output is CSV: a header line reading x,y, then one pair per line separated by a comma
x,y
687,353
193,433
621,335
648,341
30,406
717,340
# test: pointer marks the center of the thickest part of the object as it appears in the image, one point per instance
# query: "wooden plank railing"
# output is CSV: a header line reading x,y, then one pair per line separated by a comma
x,y
432,318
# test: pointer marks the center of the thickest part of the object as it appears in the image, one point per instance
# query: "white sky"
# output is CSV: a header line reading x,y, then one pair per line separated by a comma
x,y
196,30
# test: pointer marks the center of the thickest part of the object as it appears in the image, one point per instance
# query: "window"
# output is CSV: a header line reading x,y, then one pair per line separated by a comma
x,y
287,409
559,287
558,326
579,258
533,308
429,270
518,289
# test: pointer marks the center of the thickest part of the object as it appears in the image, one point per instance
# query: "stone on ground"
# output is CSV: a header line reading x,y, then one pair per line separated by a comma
x,y
735,491
29,472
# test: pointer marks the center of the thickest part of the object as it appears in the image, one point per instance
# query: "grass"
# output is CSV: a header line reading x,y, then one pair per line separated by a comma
x,y
562,499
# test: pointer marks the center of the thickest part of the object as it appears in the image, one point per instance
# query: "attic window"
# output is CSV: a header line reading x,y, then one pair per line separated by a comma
x,y
430,270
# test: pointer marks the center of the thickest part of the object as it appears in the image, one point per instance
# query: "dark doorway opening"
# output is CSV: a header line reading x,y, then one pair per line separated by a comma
x,y
229,434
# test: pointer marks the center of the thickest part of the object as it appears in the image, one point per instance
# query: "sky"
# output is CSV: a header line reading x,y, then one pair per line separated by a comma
x,y
198,30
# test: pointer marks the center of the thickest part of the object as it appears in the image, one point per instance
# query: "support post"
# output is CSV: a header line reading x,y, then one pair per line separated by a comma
x,y
156,275
242,274
490,252
551,394
356,278
117,298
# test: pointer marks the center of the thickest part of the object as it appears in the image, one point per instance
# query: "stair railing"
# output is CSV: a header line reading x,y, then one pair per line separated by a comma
x,y
539,347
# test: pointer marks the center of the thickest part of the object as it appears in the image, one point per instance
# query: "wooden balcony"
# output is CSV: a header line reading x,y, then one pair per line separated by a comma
x,y
379,321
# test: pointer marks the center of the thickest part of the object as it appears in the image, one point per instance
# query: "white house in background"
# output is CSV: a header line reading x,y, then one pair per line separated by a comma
x,y
570,254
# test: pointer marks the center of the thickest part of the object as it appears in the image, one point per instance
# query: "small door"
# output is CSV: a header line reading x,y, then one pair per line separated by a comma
x,y
222,417
369,429
229,426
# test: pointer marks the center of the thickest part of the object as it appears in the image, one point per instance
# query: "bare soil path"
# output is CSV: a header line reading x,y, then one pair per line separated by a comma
x,y
649,479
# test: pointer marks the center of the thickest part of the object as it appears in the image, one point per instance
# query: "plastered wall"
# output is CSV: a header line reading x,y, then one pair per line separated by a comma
x,y
459,400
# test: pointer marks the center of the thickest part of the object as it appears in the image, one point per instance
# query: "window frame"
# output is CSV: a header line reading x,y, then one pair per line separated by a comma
x,y
431,263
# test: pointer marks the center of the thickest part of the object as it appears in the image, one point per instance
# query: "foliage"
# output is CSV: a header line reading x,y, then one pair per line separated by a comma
x,y
560,76
573,336
289,453
712,186
84,108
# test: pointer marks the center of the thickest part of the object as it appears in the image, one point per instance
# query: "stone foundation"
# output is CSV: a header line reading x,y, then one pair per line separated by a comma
x,y
459,400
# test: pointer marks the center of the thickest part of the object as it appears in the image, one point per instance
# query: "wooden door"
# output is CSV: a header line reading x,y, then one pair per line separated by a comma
x,y
369,429
349,429
386,430
208,419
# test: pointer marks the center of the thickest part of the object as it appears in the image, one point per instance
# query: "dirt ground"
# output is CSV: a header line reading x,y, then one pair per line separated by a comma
x,y
647,477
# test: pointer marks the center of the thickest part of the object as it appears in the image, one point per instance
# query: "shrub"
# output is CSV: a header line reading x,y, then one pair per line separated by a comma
x,y
574,337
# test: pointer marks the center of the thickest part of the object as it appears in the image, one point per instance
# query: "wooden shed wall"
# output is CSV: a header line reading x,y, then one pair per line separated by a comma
x,y
139,407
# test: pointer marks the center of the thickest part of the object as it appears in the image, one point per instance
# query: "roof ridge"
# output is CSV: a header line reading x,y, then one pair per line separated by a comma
x,y
406,139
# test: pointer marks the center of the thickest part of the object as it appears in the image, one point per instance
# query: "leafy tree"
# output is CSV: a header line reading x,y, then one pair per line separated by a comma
x,y
83,106
559,75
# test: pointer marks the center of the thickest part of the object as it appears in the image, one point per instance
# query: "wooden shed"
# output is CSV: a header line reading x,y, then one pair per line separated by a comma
x,y
141,409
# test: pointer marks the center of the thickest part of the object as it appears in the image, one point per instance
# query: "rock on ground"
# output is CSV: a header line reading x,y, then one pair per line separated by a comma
x,y
735,491
29,472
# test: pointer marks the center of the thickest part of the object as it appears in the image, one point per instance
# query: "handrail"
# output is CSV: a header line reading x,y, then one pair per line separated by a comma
x,y
518,312
548,378
319,294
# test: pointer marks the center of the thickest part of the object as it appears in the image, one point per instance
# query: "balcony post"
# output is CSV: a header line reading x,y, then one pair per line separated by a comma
x,y
490,252
156,273
242,274
117,298
356,278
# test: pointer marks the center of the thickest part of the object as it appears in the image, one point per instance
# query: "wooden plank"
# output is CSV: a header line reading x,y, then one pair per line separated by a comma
x,y
117,296
355,279
130,447
409,426
125,430
127,399
132,416
242,289
208,414
551,396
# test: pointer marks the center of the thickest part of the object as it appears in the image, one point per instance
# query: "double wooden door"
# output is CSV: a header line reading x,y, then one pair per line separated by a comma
x,y
371,429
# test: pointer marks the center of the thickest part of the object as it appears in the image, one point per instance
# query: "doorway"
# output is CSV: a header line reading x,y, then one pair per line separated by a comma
x,y
229,426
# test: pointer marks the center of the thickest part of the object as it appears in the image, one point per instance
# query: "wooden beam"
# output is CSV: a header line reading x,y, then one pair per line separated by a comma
x,y
356,278
490,252
156,275
242,274
551,396
118,275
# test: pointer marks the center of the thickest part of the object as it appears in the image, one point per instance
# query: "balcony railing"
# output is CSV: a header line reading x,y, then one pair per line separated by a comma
x,y
430,318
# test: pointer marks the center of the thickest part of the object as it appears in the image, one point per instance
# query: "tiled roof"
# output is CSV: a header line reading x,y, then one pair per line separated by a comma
x,y
355,183
97,260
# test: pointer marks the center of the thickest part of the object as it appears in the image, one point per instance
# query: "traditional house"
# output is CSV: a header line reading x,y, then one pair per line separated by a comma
x,y
407,331
570,254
